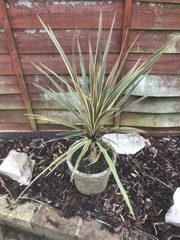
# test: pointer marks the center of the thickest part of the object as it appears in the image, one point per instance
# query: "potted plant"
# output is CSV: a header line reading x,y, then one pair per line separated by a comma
x,y
93,100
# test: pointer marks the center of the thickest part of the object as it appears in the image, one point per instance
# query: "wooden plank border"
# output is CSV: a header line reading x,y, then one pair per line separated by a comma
x,y
124,41
16,62
52,134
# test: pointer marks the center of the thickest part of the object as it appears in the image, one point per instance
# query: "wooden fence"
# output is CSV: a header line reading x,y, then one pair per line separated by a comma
x,y
22,41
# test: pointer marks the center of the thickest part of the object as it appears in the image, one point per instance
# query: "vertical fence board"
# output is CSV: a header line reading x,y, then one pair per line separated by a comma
x,y
16,62
124,42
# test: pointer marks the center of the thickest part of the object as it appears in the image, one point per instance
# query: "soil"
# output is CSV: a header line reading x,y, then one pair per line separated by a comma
x,y
150,177
86,165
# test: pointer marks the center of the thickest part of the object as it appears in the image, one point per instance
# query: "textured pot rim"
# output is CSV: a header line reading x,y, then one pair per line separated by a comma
x,y
93,175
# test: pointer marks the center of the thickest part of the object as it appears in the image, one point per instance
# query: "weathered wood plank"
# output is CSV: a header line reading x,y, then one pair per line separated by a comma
x,y
19,116
150,41
9,128
12,102
13,116
158,1
9,85
42,101
3,43
37,41
58,114
167,64
149,105
159,86
64,15
6,65
14,127
155,16
155,105
154,85
150,120
146,15
55,114
56,64
127,119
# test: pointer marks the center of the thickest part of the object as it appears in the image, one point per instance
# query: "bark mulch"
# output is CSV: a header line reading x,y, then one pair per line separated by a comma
x,y
150,177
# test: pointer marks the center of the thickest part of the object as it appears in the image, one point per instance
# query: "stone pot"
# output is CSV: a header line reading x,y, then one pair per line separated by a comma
x,y
92,183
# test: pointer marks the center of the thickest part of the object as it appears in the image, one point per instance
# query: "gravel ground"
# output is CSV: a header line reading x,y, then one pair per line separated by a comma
x,y
7,233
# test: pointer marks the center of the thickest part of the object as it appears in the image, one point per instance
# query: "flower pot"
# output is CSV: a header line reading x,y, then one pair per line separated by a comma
x,y
92,183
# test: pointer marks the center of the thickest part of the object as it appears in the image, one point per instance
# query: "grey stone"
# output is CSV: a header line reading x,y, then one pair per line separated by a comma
x,y
18,166
129,143
173,214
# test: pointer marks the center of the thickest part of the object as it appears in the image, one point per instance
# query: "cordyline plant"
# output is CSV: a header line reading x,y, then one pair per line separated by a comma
x,y
94,99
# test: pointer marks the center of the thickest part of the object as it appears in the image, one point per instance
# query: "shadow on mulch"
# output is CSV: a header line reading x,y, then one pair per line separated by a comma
x,y
150,177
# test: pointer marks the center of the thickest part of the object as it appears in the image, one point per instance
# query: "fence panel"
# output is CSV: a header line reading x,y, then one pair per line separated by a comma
x,y
156,22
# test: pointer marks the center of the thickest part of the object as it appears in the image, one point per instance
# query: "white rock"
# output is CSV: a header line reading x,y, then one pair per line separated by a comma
x,y
176,197
129,143
18,167
173,214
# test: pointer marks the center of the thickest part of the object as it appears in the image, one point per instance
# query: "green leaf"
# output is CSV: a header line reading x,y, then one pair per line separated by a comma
x,y
114,172
86,145
67,155
57,121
